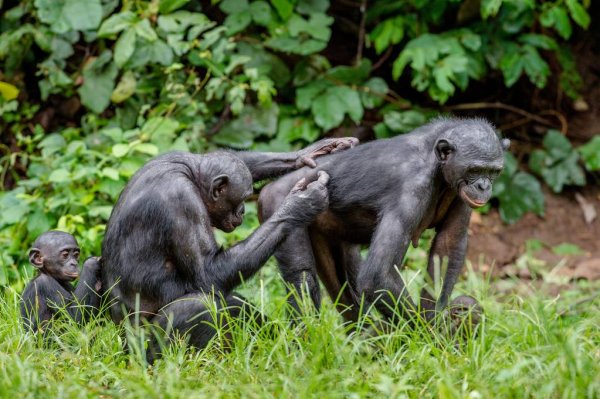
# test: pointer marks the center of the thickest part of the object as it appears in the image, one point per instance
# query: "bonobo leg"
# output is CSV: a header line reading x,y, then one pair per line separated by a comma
x,y
198,316
337,265
294,255
450,242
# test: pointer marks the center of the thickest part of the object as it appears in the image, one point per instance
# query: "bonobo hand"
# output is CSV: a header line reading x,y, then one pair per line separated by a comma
x,y
463,315
93,265
307,155
306,200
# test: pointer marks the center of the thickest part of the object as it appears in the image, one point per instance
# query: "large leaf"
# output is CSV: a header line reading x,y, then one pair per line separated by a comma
x,y
330,107
124,47
518,192
65,15
98,82
590,152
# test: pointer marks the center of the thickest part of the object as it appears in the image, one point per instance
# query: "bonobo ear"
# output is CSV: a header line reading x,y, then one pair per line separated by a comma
x,y
35,258
505,144
218,186
443,149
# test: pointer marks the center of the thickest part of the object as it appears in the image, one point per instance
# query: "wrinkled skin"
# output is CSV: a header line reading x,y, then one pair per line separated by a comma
x,y
159,247
55,255
385,194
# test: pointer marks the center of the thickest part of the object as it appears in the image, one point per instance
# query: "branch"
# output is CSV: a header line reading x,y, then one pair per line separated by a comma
x,y
528,115
361,31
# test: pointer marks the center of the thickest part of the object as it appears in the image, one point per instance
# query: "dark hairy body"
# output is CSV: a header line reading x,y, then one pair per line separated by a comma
x,y
385,194
55,255
160,255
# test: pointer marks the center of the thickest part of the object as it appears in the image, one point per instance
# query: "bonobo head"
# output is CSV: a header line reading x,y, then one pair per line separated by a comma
x,y
56,253
471,156
227,184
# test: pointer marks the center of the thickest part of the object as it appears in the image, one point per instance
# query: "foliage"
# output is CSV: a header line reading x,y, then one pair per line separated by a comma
x,y
557,163
90,90
518,192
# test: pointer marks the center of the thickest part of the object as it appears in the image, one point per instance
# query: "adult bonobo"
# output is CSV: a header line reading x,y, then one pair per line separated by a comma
x,y
159,247
386,193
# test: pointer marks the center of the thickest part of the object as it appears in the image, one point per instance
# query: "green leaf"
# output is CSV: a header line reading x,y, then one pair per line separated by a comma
x,y
373,95
8,91
566,249
405,121
535,67
117,23
284,8
233,6
518,192
388,33
39,221
125,88
144,30
229,137
237,22
489,8
578,13
261,13
168,6
556,16
59,176
590,152
146,148
65,15
511,65
120,150
330,107
124,47
292,129
305,95
98,82
83,14
111,173
539,41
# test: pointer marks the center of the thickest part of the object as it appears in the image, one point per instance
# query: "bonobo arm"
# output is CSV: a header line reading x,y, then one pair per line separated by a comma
x,y
226,269
378,277
264,165
450,241
87,299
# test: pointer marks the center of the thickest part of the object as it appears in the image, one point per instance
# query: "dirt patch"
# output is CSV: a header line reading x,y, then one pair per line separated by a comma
x,y
495,247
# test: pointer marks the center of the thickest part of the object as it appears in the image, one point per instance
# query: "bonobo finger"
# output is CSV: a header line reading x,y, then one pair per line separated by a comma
x,y
345,143
299,186
323,177
308,161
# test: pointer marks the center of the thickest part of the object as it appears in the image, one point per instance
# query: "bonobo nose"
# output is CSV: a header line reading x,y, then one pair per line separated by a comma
x,y
483,184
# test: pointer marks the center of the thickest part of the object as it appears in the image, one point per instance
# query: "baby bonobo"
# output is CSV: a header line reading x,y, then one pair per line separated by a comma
x,y
55,255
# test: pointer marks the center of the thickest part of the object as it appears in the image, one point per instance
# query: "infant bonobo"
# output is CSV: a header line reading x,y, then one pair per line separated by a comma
x,y
55,254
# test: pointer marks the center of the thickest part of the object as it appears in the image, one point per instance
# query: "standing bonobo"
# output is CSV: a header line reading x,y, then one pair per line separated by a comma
x,y
159,248
386,193
55,255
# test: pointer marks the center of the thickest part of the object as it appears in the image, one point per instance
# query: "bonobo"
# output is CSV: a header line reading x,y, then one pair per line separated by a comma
x,y
159,248
386,193
55,255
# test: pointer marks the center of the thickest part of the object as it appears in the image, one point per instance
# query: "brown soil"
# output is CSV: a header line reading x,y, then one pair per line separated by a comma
x,y
494,247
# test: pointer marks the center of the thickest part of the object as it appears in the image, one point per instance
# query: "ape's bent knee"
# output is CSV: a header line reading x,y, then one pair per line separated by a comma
x,y
269,200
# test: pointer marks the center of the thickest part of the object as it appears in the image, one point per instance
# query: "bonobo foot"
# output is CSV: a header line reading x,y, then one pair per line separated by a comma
x,y
462,316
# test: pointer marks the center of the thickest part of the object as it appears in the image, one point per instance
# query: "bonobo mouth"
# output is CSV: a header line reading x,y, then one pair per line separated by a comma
x,y
471,202
72,275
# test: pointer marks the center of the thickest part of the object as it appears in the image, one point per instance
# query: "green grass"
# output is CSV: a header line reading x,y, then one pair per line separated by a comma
x,y
523,349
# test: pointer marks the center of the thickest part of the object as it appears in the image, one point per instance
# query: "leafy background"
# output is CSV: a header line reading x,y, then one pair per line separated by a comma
x,y
92,89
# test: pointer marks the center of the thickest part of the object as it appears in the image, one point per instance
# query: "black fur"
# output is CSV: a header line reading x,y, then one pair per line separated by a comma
x,y
386,193
55,254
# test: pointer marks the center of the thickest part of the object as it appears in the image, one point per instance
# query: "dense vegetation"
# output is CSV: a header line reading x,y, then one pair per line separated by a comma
x,y
91,89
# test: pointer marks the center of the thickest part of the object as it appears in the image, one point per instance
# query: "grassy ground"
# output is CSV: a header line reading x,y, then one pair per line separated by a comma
x,y
523,349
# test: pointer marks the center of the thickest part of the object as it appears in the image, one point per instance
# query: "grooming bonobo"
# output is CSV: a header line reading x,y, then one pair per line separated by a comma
x,y
55,255
159,248
386,193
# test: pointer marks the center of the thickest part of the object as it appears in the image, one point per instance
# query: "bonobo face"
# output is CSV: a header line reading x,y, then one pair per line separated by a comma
x,y
227,211
56,254
471,161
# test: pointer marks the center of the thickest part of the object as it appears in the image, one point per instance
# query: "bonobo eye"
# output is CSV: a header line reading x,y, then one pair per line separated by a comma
x,y
76,255
64,254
